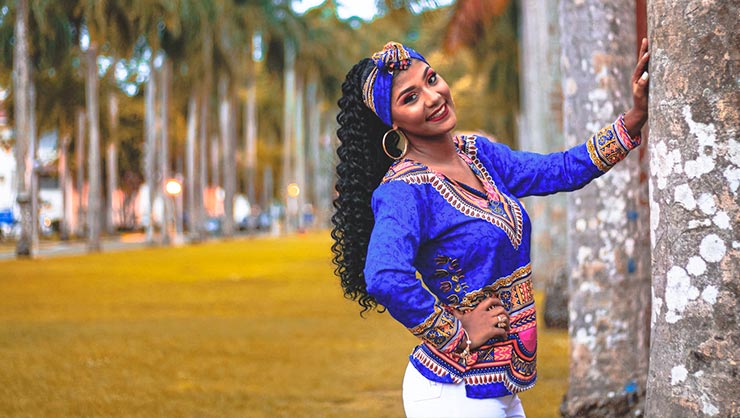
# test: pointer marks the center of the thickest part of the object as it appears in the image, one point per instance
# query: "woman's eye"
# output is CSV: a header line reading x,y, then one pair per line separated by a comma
x,y
433,78
409,98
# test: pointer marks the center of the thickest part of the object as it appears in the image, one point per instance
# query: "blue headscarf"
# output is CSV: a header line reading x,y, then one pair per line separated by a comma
x,y
376,92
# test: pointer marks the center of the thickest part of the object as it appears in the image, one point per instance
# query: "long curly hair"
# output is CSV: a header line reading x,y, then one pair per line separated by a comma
x,y
362,164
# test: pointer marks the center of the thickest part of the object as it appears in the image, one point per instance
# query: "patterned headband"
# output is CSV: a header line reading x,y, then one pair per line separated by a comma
x,y
376,91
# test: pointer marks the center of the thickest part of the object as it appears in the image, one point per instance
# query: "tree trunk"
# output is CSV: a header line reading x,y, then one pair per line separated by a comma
x,y
80,162
694,178
93,161
112,177
250,131
164,154
299,154
63,173
541,130
314,149
226,116
190,171
202,162
289,85
608,242
22,102
150,150
112,163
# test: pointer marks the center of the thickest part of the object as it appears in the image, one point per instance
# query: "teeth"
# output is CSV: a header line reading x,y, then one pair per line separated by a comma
x,y
437,113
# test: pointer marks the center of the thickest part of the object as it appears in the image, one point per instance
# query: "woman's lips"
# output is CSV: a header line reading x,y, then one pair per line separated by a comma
x,y
440,114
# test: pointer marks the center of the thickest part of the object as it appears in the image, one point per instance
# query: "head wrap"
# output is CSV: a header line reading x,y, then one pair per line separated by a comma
x,y
376,92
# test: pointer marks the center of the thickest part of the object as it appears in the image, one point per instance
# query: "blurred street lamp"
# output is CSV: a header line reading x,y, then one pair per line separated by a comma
x,y
173,188
293,190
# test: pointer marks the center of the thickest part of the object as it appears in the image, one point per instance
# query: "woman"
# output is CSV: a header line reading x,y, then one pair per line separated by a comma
x,y
415,198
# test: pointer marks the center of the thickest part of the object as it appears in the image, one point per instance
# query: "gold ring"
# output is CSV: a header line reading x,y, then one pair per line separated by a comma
x,y
501,325
499,319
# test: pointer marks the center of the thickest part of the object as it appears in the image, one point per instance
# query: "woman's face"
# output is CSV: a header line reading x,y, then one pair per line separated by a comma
x,y
421,102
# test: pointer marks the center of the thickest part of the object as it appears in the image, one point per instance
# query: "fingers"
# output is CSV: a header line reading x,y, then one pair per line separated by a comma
x,y
642,63
489,303
643,46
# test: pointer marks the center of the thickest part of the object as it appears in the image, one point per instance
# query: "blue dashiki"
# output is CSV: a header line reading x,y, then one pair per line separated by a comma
x,y
466,246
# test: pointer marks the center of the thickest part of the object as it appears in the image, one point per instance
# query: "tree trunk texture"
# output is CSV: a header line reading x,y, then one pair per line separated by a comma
x,y
164,150
694,178
608,239
80,162
541,131
93,161
150,150
22,102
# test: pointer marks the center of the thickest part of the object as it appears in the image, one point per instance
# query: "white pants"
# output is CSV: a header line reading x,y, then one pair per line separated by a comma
x,y
425,398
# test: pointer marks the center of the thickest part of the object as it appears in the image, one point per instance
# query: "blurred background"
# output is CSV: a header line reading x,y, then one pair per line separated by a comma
x,y
230,103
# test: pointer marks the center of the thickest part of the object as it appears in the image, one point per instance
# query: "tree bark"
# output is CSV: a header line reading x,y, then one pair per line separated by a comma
x,y
694,178
22,102
607,243
93,161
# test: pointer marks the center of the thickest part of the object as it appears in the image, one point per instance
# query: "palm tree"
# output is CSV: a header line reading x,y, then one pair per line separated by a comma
x,y
609,284
22,102
694,209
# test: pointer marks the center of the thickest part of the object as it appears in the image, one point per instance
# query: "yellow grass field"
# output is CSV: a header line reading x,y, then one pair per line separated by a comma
x,y
245,328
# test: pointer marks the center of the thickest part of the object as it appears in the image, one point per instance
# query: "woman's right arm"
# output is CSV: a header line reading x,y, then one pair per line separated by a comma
x,y
391,276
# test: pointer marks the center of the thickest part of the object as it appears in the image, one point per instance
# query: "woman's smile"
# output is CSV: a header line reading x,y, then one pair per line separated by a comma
x,y
439,114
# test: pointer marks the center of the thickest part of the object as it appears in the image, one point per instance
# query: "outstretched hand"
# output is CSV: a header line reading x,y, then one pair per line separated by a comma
x,y
637,116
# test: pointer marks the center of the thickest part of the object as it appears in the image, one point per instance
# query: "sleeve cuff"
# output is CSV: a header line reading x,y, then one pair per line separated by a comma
x,y
441,329
611,145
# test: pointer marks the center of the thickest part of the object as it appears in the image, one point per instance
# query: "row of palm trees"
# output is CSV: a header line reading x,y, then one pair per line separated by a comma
x,y
199,53
210,71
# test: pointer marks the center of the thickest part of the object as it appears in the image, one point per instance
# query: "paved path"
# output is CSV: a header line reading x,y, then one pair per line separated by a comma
x,y
74,247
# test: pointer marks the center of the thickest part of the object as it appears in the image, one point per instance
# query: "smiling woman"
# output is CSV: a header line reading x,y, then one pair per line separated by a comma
x,y
446,208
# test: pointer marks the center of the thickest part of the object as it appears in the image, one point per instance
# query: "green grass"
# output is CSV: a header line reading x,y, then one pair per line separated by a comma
x,y
254,327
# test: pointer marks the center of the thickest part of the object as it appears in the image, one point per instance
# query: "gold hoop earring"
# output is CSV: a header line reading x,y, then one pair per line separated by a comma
x,y
395,145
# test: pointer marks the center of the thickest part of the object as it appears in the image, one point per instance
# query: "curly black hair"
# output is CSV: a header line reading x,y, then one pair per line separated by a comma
x,y
362,164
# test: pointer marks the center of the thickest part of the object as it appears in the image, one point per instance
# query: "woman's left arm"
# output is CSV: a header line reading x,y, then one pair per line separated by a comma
x,y
528,173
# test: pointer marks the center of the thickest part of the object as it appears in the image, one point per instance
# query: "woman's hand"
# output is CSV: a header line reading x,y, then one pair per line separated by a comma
x,y
637,116
482,322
